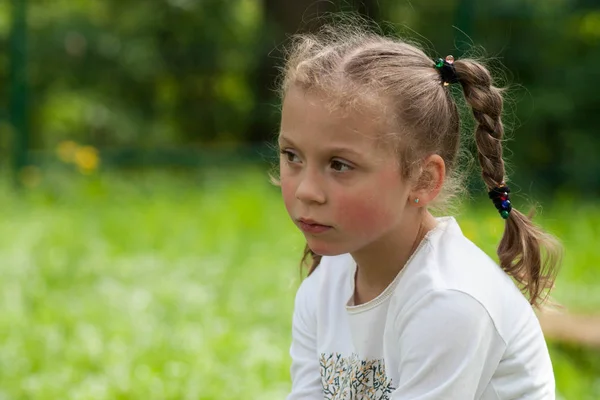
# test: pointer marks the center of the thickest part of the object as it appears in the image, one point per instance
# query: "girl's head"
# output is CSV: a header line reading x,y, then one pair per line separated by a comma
x,y
370,137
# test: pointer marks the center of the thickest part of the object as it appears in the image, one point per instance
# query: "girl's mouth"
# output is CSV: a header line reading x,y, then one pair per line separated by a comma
x,y
310,226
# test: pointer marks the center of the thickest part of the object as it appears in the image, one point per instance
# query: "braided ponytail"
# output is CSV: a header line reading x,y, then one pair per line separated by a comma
x,y
527,253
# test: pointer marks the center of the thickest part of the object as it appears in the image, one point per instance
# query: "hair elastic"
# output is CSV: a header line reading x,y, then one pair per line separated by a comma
x,y
446,69
500,197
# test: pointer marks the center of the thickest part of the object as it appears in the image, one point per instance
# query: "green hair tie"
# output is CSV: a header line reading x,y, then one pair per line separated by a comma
x,y
446,70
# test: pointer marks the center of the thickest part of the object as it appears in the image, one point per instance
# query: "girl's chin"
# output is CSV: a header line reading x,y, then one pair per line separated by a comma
x,y
325,249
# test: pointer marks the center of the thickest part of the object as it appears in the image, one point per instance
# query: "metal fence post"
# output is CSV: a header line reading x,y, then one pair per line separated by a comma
x,y
18,78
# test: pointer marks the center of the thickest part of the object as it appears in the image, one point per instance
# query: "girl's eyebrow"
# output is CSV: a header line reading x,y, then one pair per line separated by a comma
x,y
333,149
329,150
282,138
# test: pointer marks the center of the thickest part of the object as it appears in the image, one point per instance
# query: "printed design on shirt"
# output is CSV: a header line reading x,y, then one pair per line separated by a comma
x,y
353,378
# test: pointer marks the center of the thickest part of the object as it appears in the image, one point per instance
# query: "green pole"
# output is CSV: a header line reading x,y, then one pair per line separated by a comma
x,y
17,109
464,22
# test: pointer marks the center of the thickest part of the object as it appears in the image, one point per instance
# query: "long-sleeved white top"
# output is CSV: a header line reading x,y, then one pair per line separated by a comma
x,y
451,326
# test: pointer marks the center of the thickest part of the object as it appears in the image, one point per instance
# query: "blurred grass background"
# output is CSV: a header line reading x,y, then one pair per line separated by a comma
x,y
143,253
179,285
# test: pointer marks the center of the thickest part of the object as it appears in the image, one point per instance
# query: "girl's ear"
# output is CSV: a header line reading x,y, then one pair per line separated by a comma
x,y
430,181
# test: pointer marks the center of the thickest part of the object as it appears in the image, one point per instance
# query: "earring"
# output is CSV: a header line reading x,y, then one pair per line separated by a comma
x,y
417,200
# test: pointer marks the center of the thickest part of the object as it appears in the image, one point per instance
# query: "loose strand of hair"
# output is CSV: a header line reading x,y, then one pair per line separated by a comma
x,y
309,259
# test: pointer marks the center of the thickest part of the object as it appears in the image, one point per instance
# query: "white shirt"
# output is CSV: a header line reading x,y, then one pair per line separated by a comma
x,y
452,325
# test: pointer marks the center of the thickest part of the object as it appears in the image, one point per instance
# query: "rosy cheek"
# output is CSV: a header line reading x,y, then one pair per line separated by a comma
x,y
361,213
373,207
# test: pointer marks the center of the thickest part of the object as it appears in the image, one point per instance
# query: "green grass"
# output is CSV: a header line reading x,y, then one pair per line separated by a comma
x,y
166,286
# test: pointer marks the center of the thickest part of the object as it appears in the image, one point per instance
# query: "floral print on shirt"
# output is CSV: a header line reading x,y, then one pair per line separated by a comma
x,y
350,378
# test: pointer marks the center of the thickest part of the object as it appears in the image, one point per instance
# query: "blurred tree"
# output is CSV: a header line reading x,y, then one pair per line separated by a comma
x,y
169,73
175,73
283,19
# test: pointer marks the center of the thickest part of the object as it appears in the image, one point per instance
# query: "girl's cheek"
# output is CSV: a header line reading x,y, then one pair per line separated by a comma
x,y
363,213
372,207
287,192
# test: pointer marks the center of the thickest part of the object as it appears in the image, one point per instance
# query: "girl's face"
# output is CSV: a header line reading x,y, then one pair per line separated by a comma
x,y
340,186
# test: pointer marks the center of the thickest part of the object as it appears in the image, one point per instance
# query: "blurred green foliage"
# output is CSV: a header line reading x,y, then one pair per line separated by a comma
x,y
190,73
171,285
181,286
120,73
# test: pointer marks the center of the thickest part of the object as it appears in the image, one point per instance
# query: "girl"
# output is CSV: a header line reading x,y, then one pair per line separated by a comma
x,y
399,304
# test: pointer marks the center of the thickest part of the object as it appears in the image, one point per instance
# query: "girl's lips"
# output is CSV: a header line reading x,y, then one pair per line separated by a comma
x,y
311,227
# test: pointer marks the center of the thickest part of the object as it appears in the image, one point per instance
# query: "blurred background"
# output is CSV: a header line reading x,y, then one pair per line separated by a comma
x,y
144,253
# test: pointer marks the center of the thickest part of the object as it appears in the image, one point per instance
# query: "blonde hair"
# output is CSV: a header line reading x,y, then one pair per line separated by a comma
x,y
356,67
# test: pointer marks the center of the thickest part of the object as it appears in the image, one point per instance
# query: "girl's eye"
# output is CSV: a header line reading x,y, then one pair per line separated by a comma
x,y
289,156
340,166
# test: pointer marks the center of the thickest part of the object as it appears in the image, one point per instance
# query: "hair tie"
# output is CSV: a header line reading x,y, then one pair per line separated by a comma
x,y
499,196
446,69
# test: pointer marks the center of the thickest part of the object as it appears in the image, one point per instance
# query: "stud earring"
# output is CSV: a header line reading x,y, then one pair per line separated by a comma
x,y
417,200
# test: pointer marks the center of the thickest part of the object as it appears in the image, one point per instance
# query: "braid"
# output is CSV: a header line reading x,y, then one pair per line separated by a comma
x,y
486,103
526,252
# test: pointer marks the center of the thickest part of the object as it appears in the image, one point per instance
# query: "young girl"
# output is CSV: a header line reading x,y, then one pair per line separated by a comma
x,y
399,304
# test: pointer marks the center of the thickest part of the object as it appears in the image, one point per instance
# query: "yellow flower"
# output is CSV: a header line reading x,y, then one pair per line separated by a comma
x,y
86,158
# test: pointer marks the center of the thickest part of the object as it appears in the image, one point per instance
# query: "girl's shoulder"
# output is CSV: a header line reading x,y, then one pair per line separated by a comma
x,y
454,268
452,259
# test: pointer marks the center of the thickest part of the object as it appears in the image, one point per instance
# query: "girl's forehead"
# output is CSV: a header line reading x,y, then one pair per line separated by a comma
x,y
316,114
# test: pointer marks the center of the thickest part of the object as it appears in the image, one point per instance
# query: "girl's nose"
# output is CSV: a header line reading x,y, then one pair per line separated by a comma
x,y
310,190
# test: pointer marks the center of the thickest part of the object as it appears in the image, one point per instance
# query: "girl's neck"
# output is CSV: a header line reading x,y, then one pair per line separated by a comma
x,y
380,262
